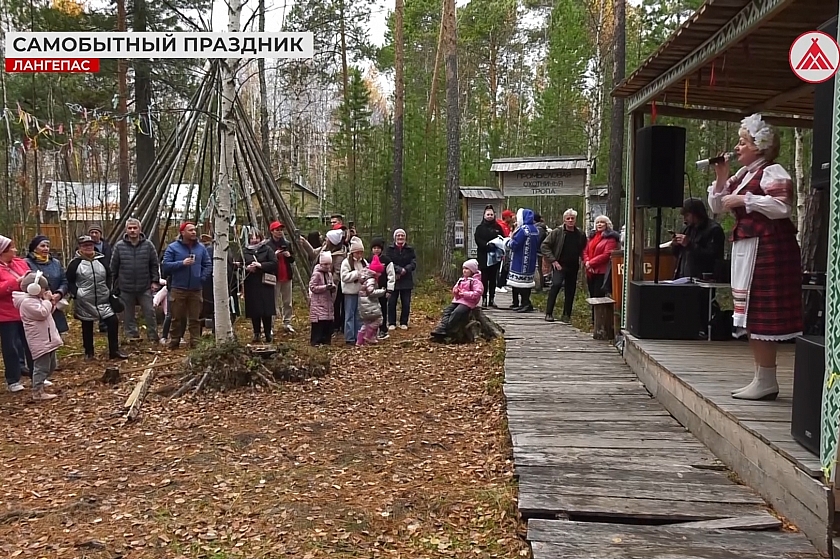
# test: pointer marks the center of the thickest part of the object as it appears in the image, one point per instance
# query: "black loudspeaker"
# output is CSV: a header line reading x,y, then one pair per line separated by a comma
x,y
666,311
808,382
659,165
823,119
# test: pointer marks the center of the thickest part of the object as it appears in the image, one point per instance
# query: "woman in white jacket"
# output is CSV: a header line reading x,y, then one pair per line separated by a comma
x,y
351,281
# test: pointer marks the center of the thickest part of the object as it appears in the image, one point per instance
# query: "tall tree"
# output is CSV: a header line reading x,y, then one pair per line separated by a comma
x,y
264,131
144,138
351,139
615,180
399,107
453,140
122,108
222,192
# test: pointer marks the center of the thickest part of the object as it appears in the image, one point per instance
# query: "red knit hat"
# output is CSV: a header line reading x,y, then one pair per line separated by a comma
x,y
275,226
184,226
507,213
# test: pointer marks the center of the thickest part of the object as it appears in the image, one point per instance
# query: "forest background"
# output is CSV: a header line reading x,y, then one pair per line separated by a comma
x,y
533,79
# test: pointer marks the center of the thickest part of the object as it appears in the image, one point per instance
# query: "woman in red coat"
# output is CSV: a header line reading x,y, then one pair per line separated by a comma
x,y
596,255
766,266
12,337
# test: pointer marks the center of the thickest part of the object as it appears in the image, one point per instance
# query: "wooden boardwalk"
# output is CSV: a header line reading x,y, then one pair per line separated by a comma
x,y
606,473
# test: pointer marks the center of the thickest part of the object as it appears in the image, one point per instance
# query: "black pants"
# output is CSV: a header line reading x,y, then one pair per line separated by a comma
x,y
113,326
383,306
265,322
522,297
596,285
453,317
15,350
404,296
565,279
489,275
321,332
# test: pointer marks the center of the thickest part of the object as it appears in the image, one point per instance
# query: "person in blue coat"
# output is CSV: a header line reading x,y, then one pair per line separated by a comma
x,y
525,249
187,265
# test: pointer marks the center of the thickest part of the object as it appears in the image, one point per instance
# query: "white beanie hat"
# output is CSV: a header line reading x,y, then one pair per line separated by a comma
x,y
356,245
335,236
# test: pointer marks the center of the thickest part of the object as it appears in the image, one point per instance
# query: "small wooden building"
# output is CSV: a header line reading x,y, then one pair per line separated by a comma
x,y
475,199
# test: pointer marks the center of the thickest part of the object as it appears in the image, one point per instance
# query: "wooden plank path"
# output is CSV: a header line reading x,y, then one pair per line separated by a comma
x,y
605,472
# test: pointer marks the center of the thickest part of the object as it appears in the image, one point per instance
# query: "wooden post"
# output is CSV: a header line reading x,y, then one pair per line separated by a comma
x,y
603,308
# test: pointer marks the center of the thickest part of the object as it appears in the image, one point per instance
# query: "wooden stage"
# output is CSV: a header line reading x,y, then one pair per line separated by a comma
x,y
694,381
605,472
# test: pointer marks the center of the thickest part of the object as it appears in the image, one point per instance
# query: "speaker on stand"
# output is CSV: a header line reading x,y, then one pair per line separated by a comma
x,y
659,165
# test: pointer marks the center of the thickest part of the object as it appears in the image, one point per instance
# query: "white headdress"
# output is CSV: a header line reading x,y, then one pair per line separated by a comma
x,y
759,130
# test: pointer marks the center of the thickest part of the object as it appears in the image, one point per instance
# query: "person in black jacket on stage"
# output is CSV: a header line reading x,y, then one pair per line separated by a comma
x,y
699,246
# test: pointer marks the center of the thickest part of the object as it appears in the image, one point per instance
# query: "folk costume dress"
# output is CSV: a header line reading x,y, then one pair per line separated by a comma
x,y
766,264
525,249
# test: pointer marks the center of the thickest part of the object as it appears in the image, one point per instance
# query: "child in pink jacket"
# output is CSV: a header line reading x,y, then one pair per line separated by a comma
x,y
321,292
466,296
36,307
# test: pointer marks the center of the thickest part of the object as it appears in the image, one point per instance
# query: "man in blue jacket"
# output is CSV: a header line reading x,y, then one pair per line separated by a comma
x,y
187,265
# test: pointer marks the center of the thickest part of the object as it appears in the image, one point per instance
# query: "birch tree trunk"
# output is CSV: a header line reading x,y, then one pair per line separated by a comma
x,y
223,213
453,145
799,182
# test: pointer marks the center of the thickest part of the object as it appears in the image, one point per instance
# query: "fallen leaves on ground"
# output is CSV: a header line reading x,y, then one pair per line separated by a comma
x,y
401,451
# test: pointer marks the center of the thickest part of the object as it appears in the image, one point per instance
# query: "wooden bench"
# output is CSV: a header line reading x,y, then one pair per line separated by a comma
x,y
603,308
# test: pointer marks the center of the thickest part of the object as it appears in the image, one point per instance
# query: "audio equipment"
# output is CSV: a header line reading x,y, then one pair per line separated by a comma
x,y
668,311
34,288
704,164
821,152
808,382
659,164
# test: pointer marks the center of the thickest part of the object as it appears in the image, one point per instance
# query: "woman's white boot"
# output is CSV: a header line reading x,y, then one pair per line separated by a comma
x,y
765,386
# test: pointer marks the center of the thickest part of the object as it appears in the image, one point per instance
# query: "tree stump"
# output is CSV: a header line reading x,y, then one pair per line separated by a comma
x,y
603,308
478,325
111,375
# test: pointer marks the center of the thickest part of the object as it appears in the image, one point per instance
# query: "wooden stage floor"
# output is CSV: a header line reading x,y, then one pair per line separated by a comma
x,y
605,472
693,380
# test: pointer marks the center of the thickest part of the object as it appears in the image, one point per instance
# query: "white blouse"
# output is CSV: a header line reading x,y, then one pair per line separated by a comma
x,y
770,206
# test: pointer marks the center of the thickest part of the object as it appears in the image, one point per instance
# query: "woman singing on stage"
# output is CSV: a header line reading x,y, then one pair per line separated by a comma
x,y
766,264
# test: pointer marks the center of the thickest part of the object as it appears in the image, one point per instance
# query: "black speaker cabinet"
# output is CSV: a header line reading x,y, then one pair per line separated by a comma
x,y
665,311
823,119
808,382
659,165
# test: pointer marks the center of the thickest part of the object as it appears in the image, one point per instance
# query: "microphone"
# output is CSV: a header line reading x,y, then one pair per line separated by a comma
x,y
704,164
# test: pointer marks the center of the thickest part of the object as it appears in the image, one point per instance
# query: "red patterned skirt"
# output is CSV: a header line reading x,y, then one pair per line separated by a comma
x,y
775,300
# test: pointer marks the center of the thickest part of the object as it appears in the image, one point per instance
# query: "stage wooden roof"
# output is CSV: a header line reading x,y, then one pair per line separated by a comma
x,y
728,59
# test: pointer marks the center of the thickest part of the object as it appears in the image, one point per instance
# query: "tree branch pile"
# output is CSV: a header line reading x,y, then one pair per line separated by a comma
x,y
231,365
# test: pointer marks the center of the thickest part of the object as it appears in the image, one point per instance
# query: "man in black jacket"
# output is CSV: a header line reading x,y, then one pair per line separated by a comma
x,y
136,271
699,246
404,259
563,250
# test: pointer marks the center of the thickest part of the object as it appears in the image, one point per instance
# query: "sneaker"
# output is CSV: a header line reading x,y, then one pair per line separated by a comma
x,y
40,395
549,318
288,328
392,327
565,319
47,383
15,387
403,326
383,335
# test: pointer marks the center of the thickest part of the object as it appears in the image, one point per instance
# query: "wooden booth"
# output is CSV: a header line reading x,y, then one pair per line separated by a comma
x,y
474,200
725,62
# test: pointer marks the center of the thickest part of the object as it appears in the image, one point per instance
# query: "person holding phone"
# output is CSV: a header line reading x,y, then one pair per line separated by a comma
x,y
188,266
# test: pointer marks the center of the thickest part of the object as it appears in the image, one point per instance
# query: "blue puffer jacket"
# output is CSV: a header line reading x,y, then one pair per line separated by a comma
x,y
190,278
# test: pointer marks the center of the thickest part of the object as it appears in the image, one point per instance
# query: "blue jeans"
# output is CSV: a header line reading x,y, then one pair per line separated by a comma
x,y
15,350
352,323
